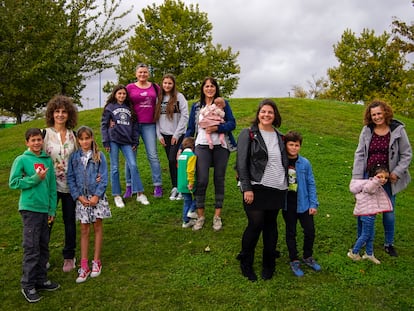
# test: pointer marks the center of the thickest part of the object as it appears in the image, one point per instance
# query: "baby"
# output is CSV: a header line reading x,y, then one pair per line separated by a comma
x,y
212,115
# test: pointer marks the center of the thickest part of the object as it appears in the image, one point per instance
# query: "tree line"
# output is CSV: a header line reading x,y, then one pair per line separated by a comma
x,y
370,66
53,46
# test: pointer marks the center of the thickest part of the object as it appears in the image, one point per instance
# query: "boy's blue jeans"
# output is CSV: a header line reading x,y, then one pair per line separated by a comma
x,y
189,205
366,234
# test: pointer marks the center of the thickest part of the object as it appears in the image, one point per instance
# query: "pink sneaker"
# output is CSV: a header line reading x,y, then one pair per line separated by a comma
x,y
83,275
69,264
96,268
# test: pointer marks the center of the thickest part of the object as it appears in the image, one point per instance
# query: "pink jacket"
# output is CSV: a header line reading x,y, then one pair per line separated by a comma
x,y
370,197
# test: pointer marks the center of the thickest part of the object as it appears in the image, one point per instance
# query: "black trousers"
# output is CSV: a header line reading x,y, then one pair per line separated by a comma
x,y
291,218
171,152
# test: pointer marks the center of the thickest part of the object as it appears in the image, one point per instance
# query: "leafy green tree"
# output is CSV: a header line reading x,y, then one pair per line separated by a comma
x,y
404,34
369,67
52,46
174,38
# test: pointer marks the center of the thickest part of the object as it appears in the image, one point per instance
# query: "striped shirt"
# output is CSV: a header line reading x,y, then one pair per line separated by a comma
x,y
274,173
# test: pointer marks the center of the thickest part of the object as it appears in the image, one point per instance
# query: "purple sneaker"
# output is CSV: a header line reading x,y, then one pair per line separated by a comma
x,y
128,192
157,191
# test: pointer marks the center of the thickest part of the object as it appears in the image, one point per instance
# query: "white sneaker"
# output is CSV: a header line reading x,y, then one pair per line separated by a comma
x,y
371,258
142,198
199,223
173,194
189,224
118,201
217,224
179,196
192,215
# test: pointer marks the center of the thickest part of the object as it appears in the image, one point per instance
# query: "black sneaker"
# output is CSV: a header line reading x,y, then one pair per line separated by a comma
x,y
31,295
48,285
390,250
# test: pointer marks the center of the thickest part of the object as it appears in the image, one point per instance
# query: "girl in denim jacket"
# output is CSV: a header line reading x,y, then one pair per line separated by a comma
x,y
87,179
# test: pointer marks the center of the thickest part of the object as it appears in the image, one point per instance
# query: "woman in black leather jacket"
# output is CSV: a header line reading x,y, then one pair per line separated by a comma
x,y
262,168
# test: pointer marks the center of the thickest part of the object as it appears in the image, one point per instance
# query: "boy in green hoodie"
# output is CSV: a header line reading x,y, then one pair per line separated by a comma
x,y
33,173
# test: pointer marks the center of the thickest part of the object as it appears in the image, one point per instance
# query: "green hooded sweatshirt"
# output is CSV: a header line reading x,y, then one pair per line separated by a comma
x,y
37,195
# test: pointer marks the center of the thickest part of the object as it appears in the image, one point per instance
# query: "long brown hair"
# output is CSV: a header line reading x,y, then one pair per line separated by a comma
x,y
96,156
171,102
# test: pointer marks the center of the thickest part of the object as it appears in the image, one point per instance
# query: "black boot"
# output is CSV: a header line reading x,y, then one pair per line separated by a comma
x,y
246,265
269,264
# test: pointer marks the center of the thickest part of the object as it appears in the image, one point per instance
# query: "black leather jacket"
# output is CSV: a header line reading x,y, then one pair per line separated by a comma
x,y
252,157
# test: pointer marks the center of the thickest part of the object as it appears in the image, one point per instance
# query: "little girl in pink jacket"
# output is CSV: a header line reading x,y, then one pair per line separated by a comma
x,y
371,199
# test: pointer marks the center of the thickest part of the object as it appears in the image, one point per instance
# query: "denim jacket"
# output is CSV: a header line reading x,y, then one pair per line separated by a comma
x,y
82,181
307,197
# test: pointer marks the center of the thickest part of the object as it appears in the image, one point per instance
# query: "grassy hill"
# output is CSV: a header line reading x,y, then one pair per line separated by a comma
x,y
151,263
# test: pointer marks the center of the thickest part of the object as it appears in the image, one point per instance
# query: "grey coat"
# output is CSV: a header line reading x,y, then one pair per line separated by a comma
x,y
399,155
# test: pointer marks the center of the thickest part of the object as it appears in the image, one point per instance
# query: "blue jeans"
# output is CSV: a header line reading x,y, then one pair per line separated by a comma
x,y
388,218
149,136
130,160
366,234
189,205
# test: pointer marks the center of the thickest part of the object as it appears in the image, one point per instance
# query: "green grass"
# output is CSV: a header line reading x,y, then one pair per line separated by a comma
x,y
151,263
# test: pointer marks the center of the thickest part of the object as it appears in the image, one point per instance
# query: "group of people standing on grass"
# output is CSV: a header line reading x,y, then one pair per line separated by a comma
x,y
272,175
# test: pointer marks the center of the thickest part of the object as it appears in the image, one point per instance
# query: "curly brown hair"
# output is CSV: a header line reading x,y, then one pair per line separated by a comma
x,y
388,114
62,102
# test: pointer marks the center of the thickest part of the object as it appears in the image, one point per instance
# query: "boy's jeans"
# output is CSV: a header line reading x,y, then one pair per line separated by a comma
x,y
366,231
189,205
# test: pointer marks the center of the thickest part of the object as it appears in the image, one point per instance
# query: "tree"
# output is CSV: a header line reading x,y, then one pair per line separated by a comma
x,y
52,46
174,38
369,66
404,34
318,87
299,91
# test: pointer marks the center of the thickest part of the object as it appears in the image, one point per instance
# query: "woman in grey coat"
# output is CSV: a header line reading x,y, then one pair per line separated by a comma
x,y
384,141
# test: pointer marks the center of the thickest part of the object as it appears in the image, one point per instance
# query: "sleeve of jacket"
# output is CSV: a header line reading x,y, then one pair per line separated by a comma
x,y
18,179
405,154
371,186
71,178
182,123
356,185
106,117
310,181
243,160
230,122
103,173
191,166
52,189
191,122
360,157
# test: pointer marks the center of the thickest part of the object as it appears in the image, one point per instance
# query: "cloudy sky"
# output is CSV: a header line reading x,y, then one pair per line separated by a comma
x,y
281,43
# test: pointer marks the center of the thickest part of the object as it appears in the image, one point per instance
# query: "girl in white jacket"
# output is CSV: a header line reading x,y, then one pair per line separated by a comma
x,y
371,199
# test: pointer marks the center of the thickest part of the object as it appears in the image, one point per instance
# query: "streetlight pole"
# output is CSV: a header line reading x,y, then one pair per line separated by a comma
x,y
100,88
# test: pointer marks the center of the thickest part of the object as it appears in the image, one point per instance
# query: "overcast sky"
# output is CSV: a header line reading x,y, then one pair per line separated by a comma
x,y
281,43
